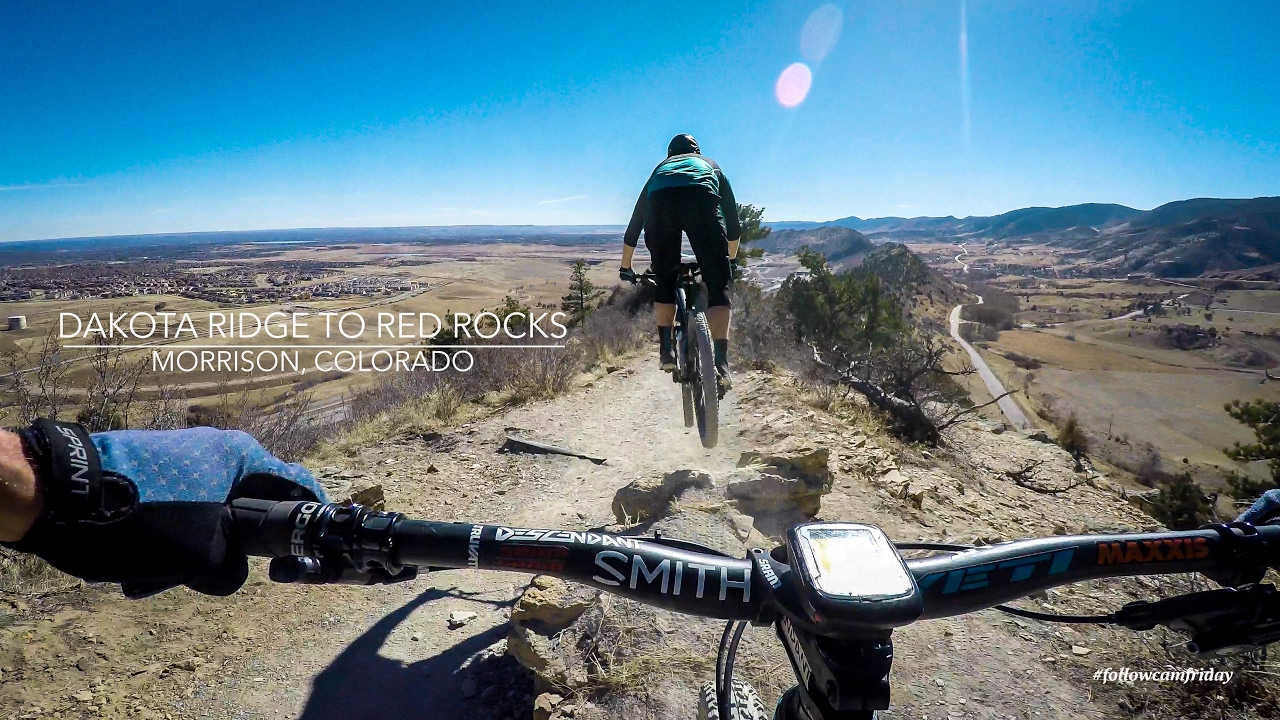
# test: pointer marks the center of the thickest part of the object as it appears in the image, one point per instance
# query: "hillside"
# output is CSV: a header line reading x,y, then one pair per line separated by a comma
x,y
1191,237
836,243
1183,238
923,291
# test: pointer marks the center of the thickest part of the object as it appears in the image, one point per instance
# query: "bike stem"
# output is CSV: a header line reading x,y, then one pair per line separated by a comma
x,y
840,679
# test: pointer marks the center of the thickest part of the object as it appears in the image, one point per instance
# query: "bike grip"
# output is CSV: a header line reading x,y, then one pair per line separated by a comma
x,y
264,528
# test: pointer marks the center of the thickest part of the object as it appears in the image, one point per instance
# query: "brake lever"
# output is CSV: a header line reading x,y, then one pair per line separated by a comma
x,y
1218,622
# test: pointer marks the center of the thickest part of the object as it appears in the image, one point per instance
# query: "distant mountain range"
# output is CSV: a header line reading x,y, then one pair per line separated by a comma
x,y
1183,238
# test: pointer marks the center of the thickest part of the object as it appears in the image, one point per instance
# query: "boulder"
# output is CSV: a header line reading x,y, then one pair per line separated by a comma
x,y
650,497
547,608
1143,500
765,492
348,487
551,605
801,463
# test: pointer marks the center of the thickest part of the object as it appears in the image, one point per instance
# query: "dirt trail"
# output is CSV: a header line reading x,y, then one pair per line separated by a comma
x,y
632,417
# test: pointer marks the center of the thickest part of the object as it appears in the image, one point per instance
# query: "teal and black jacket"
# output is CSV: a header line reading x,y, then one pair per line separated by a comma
x,y
688,170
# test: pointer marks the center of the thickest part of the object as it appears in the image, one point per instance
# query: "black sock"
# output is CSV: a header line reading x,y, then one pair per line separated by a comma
x,y
722,352
664,339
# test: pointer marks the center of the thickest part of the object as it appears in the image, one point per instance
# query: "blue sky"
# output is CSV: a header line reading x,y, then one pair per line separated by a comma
x,y
171,117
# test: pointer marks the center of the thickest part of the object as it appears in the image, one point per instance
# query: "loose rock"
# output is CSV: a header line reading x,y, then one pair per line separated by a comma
x,y
458,618
651,496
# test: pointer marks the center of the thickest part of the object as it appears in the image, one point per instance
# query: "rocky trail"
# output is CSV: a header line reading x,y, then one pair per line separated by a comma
x,y
438,647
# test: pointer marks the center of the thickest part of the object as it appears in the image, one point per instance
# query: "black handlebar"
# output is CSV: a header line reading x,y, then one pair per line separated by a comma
x,y
324,543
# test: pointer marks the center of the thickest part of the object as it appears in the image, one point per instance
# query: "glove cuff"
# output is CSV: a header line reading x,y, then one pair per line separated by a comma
x,y
70,473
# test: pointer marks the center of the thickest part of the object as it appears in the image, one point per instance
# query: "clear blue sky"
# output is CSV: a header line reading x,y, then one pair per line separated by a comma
x,y
175,116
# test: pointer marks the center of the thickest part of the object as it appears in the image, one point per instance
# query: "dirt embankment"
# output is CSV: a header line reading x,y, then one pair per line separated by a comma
x,y
437,647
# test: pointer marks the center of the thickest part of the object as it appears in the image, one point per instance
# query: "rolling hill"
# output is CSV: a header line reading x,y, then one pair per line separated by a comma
x,y
833,241
1183,238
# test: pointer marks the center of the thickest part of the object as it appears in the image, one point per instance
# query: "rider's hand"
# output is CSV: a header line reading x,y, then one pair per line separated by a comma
x,y
148,509
1266,508
627,274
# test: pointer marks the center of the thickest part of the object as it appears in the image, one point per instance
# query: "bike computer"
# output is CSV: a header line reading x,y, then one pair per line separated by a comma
x,y
852,576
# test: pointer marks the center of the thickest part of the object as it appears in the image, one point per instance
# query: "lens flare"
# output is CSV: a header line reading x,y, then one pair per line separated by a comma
x,y
964,69
820,33
793,85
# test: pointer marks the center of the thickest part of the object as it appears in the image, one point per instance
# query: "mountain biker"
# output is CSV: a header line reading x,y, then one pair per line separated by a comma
x,y
147,509
687,192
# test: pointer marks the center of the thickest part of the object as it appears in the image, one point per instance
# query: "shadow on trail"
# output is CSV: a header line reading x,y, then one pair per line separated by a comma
x,y
360,683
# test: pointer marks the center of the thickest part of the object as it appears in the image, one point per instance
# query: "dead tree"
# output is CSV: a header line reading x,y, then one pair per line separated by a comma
x,y
37,377
902,380
112,386
1024,477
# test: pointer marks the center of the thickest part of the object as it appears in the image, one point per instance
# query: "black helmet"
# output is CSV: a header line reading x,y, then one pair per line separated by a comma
x,y
682,145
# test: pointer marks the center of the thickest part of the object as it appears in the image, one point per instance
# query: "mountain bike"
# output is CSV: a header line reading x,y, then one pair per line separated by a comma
x,y
833,591
695,356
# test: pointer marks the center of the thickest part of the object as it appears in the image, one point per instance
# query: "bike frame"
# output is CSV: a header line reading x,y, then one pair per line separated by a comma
x,y
686,285
843,667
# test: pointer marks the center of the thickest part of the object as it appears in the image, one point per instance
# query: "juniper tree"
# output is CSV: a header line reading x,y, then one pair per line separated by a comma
x,y
749,218
1072,439
1264,418
582,294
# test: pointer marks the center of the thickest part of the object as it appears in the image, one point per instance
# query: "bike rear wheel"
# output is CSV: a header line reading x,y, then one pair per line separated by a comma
x,y
706,398
744,703
686,396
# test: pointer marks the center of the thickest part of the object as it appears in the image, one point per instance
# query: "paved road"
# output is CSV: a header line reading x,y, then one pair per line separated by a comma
x,y
1010,408
963,251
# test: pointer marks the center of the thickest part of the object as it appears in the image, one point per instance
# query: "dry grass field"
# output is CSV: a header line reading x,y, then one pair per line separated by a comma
x,y
461,279
1129,384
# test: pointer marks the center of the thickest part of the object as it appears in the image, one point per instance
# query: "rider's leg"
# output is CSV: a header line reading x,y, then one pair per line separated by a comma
x,y
718,317
700,216
662,237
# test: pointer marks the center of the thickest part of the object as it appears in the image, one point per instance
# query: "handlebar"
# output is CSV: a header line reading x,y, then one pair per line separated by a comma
x,y
310,542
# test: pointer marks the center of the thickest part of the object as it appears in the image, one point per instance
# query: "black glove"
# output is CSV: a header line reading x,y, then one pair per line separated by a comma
x,y
627,274
148,509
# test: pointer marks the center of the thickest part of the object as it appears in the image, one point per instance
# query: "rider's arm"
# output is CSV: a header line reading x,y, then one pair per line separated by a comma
x,y
632,236
147,509
729,206
20,498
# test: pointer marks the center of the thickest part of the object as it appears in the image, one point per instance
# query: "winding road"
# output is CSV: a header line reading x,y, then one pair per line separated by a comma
x,y
1011,411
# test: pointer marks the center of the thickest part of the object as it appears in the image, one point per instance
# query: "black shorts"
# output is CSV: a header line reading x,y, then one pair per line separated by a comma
x,y
696,211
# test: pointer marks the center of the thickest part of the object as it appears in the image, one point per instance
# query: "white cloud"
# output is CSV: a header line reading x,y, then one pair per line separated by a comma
x,y
560,200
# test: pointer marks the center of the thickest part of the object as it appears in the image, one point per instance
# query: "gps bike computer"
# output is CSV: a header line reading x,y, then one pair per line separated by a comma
x,y
851,576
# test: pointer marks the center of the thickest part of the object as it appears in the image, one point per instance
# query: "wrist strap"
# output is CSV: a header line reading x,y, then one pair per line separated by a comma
x,y
71,474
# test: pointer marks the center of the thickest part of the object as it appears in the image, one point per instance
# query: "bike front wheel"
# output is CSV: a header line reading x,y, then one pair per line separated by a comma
x,y
706,398
744,703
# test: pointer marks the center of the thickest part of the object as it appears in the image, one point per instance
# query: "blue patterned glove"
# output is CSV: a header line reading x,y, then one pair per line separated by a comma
x,y
1265,508
148,509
